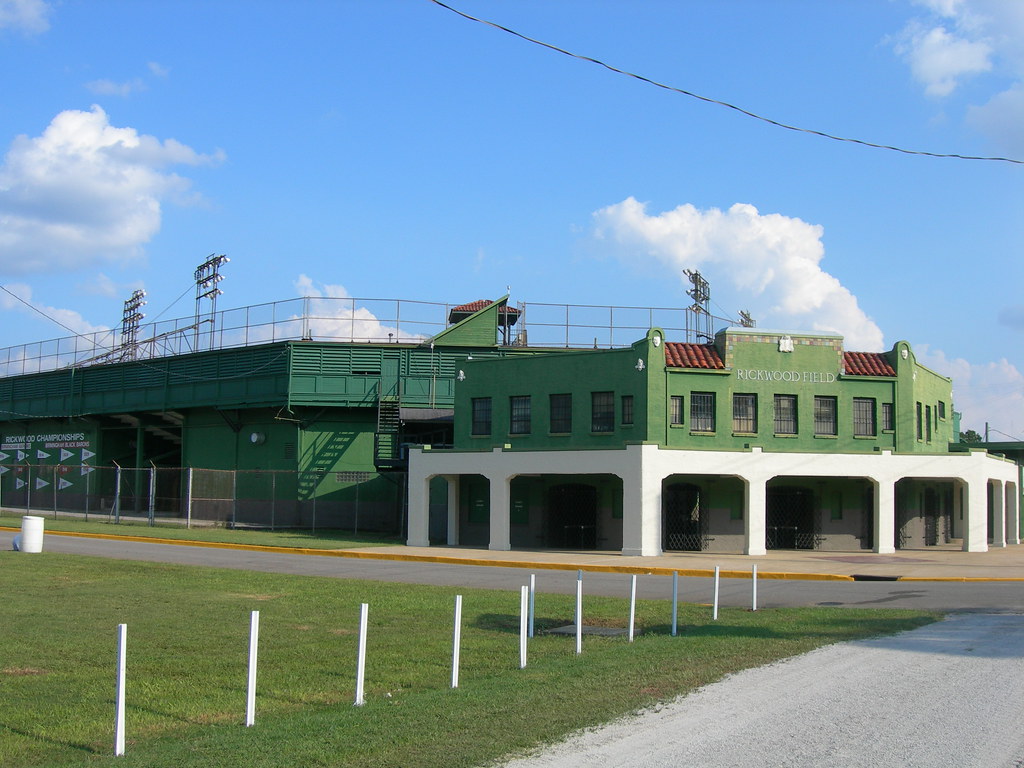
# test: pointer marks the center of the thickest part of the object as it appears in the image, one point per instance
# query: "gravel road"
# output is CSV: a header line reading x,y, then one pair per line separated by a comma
x,y
949,694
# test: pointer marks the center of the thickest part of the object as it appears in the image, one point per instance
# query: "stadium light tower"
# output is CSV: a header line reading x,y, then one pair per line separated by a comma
x,y
130,321
207,277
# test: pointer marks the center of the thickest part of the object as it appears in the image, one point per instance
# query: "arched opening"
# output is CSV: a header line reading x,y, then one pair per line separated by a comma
x,y
685,520
790,518
572,516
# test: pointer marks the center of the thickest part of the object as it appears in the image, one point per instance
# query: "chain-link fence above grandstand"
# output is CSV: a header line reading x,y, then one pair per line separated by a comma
x,y
359,502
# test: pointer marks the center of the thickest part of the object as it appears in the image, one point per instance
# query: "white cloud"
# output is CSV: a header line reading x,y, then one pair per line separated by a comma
x,y
305,286
67,319
159,70
85,191
29,16
101,285
773,258
940,60
333,315
957,39
110,88
985,393
1001,118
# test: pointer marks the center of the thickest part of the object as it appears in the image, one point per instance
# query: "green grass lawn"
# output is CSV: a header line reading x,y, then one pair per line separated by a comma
x,y
321,539
188,638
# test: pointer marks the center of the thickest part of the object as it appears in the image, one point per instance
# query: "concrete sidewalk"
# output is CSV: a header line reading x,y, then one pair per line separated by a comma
x,y
941,563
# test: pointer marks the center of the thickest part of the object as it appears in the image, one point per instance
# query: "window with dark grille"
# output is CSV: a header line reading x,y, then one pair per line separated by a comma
x,y
519,415
888,417
602,411
702,412
785,414
627,409
824,415
676,409
481,416
864,417
561,414
744,413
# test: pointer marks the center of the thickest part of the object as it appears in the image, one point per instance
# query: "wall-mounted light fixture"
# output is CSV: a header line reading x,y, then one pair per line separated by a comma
x,y
257,438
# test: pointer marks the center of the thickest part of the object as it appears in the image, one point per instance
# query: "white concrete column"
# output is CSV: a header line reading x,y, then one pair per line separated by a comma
x,y
500,522
641,505
998,514
453,509
976,514
419,503
755,498
1012,514
885,515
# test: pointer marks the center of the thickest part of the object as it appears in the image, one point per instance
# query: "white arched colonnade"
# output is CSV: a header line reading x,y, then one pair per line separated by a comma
x,y
643,468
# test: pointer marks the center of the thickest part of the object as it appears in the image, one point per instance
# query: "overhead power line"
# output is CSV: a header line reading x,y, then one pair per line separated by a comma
x,y
34,308
709,100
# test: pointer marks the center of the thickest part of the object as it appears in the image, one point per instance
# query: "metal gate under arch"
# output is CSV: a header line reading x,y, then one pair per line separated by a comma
x,y
790,521
685,521
572,516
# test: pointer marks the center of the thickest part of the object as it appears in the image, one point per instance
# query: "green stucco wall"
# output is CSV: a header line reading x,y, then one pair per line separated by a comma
x,y
806,366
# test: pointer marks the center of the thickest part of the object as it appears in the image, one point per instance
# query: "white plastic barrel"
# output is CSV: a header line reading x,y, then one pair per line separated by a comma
x,y
31,534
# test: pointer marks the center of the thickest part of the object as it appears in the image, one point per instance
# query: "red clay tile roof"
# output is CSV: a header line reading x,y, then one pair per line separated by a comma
x,y
686,355
867,364
476,306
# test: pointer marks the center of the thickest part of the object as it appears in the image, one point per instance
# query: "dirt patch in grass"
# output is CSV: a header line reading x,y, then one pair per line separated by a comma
x,y
258,598
23,671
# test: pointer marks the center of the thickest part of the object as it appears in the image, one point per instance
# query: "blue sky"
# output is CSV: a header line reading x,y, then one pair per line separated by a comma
x,y
394,149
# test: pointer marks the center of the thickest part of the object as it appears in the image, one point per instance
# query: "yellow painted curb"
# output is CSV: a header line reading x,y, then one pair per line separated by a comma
x,y
960,578
448,560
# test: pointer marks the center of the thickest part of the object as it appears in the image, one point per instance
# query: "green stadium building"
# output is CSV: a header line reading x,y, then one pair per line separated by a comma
x,y
759,440
491,425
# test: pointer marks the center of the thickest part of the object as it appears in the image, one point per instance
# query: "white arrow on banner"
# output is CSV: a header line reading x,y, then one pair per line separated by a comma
x,y
4,469
62,484
86,470
40,483
86,455
19,483
42,454
65,454
4,456
21,455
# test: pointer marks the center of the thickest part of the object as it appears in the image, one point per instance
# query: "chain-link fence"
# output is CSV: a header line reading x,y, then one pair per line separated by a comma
x,y
367,502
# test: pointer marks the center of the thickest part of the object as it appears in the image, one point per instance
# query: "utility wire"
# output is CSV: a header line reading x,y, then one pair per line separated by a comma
x,y
167,308
708,100
34,308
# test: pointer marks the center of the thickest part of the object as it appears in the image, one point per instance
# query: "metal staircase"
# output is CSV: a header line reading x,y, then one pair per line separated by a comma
x,y
386,440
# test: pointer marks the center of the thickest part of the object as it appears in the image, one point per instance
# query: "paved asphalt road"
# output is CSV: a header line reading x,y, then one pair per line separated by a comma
x,y
942,596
